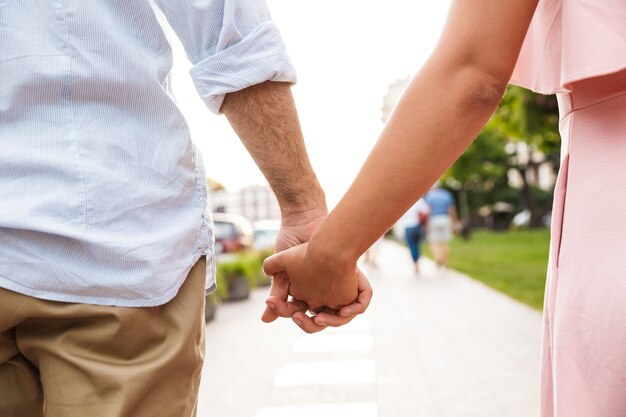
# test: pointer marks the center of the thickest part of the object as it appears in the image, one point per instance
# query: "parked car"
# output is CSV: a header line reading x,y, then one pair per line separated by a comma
x,y
233,233
265,233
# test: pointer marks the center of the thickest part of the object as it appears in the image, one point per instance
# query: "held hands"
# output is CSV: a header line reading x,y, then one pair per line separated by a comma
x,y
295,229
337,293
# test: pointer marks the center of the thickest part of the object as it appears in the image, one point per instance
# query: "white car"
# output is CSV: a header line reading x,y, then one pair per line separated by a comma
x,y
265,234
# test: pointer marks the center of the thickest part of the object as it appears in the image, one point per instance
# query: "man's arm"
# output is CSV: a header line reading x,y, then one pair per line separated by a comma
x,y
241,68
265,118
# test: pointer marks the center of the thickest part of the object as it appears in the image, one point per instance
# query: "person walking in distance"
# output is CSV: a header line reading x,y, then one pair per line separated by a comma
x,y
413,223
441,222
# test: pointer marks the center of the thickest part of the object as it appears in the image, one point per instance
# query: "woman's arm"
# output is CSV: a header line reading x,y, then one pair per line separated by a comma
x,y
441,112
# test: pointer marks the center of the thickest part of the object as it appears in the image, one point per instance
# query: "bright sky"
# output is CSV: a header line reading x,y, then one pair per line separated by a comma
x,y
346,53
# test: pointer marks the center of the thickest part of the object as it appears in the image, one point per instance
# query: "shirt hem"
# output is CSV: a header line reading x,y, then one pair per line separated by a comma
x,y
565,84
116,302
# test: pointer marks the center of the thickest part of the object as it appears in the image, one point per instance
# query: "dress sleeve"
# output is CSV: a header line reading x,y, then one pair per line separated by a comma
x,y
232,44
570,41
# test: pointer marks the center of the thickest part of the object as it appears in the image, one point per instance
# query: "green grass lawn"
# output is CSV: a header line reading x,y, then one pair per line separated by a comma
x,y
512,262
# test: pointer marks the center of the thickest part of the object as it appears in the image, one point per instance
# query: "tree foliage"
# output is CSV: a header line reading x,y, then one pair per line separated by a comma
x,y
480,175
525,116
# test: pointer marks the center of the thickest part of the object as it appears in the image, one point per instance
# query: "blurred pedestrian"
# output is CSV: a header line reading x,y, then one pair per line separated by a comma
x,y
441,223
413,223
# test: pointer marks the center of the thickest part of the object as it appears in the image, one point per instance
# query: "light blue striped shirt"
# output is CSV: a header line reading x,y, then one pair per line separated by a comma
x,y
102,195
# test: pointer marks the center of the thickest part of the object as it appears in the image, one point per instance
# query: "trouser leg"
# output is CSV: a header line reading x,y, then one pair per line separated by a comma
x,y
445,253
20,389
412,242
418,237
435,248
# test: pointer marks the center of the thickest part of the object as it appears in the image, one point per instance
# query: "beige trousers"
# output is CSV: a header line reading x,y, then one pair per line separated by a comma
x,y
80,360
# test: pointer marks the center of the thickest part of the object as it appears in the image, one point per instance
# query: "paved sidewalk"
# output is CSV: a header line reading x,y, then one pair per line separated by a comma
x,y
434,345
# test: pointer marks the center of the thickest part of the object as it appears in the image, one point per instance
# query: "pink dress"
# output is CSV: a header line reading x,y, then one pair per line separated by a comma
x,y
577,48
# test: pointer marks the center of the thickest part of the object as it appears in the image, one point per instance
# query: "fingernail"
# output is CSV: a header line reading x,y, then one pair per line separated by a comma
x,y
321,323
297,321
345,313
271,305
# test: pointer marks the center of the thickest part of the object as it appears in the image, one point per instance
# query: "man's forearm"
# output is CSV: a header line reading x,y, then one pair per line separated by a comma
x,y
265,118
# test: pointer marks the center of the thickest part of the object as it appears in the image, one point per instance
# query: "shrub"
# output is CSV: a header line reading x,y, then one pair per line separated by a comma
x,y
246,265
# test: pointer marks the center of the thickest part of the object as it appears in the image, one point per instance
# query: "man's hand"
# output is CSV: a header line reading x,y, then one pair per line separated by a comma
x,y
296,229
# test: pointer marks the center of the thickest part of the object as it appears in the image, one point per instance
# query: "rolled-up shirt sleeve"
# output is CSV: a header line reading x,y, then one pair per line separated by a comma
x,y
233,44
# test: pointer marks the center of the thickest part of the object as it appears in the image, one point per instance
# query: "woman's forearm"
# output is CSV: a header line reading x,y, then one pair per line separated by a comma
x,y
436,119
441,112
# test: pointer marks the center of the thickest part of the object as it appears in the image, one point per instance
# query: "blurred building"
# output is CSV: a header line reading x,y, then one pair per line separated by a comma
x,y
254,202
539,171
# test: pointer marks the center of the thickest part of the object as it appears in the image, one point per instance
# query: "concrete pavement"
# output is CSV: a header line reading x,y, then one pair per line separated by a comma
x,y
434,345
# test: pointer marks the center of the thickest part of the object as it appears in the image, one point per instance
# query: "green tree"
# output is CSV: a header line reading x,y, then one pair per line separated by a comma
x,y
531,120
480,171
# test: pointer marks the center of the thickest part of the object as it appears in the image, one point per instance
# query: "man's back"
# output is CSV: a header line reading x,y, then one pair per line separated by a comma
x,y
103,197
